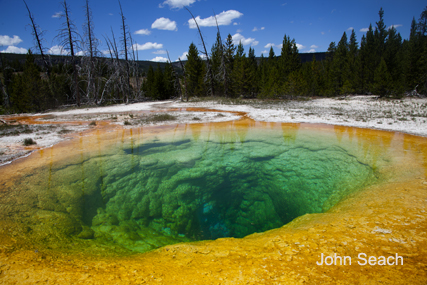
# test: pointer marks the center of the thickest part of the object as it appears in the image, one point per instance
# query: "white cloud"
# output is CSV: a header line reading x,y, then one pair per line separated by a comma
x,y
264,52
183,56
8,41
164,24
350,29
314,46
364,29
148,45
311,50
13,49
110,14
279,46
394,26
322,33
235,24
269,45
237,38
300,47
57,15
160,51
80,53
239,31
144,32
256,29
159,59
177,3
57,50
224,19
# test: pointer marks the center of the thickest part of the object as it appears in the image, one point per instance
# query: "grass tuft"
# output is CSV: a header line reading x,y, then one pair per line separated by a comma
x,y
161,118
29,141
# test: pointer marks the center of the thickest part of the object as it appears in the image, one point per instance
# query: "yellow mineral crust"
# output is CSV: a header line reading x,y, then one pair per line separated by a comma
x,y
380,221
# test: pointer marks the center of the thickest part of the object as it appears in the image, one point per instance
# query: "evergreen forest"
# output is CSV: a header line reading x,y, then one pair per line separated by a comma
x,y
382,63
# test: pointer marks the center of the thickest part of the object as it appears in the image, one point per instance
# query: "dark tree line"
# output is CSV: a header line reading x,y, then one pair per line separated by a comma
x,y
382,63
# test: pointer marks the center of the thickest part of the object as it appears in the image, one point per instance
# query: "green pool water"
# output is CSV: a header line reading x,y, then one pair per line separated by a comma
x,y
184,184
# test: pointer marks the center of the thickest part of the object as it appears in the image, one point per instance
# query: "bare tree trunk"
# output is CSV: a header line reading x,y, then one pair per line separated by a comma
x,y
125,40
208,64
116,66
91,52
37,35
69,33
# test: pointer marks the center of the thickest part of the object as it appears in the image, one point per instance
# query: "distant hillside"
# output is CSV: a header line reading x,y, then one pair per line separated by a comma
x,y
55,59
143,64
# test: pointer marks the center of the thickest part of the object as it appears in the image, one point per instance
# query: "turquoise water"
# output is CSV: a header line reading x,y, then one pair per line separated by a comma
x,y
198,183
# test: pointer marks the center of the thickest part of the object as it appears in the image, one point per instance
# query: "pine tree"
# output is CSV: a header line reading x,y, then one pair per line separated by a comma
x,y
412,56
382,79
194,70
380,35
216,58
369,60
353,75
239,70
168,81
148,85
314,81
289,59
251,73
229,50
159,84
393,57
422,62
28,89
262,75
341,67
272,87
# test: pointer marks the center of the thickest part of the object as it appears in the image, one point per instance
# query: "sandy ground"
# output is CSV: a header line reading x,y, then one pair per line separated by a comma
x,y
408,115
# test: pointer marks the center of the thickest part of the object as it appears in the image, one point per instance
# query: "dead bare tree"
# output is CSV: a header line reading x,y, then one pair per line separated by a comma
x,y
124,40
115,68
209,74
70,39
38,36
89,62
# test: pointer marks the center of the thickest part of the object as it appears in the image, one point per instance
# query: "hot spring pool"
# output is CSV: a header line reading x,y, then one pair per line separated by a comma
x,y
140,189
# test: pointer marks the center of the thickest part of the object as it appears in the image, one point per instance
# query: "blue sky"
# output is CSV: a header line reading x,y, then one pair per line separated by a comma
x,y
157,26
